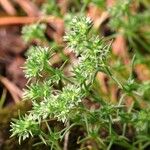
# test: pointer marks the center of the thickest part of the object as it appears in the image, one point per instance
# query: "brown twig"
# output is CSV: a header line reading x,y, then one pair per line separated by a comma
x,y
25,20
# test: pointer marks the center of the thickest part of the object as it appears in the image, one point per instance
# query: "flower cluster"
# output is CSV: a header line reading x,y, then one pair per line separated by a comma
x,y
25,127
37,91
58,106
38,58
92,51
76,37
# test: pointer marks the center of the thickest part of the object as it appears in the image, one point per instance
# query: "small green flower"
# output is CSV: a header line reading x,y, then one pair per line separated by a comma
x,y
37,91
34,31
37,60
76,37
25,127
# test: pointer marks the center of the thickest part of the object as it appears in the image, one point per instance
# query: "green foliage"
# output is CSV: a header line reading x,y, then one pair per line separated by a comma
x,y
37,90
120,9
50,8
33,31
100,3
37,61
57,96
25,127
78,32
130,23
143,121
144,90
92,50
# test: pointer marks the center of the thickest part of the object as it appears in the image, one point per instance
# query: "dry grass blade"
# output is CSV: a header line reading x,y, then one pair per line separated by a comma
x,y
119,48
8,7
15,92
98,15
66,139
25,20
29,7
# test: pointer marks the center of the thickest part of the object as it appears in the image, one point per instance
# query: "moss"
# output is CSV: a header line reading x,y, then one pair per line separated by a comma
x,y
7,143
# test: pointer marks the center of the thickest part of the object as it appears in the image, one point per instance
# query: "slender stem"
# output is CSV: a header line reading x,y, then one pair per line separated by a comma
x,y
84,7
120,102
3,98
52,70
124,129
114,78
110,144
68,79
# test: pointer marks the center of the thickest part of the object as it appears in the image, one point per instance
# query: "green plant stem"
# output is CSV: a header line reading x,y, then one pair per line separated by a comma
x,y
84,7
114,78
3,98
120,102
55,143
110,144
52,70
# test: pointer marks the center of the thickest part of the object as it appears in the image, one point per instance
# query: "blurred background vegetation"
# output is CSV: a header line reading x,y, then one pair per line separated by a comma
x,y
24,23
